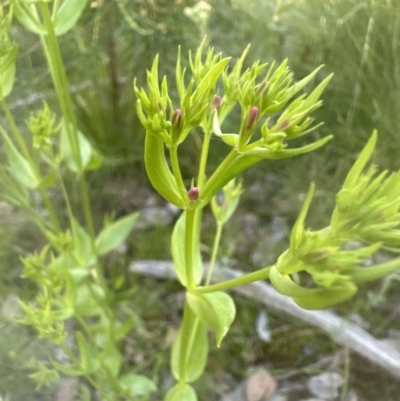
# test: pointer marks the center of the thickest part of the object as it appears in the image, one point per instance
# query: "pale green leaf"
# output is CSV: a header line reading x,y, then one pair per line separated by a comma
x,y
20,168
67,370
67,15
362,160
67,154
216,310
28,19
138,385
113,235
7,81
181,392
298,228
112,359
193,334
83,250
84,352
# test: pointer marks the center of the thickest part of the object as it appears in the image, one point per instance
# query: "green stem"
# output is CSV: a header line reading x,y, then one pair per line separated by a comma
x,y
261,274
56,66
201,178
173,151
217,240
189,246
222,168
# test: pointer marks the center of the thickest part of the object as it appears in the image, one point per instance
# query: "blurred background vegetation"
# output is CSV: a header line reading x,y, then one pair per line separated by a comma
x,y
116,40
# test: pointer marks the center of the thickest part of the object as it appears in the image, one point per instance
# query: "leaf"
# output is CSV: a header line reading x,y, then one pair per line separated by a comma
x,y
66,153
113,359
67,370
216,310
362,160
326,297
83,250
26,17
86,303
7,81
122,330
298,228
372,273
67,15
194,335
20,168
159,173
178,253
84,352
286,286
113,235
311,298
301,84
138,385
181,392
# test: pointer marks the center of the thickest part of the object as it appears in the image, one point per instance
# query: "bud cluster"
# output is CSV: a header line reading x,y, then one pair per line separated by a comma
x,y
367,213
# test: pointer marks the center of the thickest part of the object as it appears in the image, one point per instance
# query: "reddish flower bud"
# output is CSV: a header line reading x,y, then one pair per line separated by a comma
x,y
216,103
253,114
177,119
193,193
284,125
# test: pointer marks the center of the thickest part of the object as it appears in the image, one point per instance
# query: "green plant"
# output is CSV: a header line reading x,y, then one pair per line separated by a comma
x,y
316,271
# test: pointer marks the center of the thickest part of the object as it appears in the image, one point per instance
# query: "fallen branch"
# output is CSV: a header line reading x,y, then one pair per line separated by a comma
x,y
342,331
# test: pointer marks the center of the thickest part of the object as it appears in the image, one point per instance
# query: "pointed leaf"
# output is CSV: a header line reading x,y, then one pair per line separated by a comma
x,y
305,81
372,273
194,335
362,160
298,228
67,370
113,235
66,153
67,15
19,166
84,352
26,17
7,81
216,310
158,171
83,250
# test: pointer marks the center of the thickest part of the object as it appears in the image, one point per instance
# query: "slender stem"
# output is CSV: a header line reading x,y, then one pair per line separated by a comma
x,y
217,240
56,66
173,151
261,274
223,167
201,178
189,230
192,337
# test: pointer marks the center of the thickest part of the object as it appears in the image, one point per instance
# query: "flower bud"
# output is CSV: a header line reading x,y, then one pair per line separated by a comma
x,y
284,125
216,103
193,193
177,119
252,118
